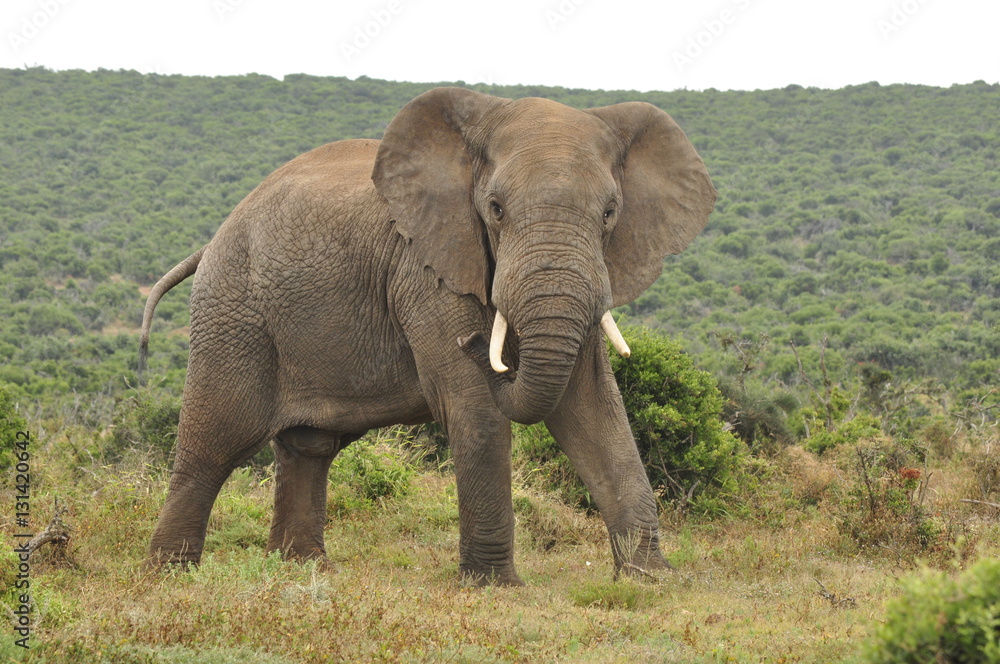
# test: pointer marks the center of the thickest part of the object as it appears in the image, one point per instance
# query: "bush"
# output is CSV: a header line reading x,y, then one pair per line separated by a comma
x,y
942,619
674,411
368,472
758,415
48,318
883,508
10,423
143,421
844,433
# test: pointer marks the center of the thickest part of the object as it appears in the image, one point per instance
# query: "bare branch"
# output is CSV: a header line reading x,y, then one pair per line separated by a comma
x,y
57,531
979,502
837,602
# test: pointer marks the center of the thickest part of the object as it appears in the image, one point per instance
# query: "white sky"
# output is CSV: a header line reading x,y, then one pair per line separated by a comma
x,y
610,44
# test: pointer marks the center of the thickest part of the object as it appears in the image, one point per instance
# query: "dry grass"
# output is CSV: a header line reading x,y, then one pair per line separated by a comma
x,y
774,585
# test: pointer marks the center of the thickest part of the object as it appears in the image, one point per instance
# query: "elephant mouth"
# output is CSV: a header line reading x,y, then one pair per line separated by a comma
x,y
499,337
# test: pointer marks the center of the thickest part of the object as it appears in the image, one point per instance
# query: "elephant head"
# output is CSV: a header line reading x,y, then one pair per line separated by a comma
x,y
549,214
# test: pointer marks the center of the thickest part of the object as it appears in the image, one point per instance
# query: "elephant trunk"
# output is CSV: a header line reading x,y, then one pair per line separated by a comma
x,y
549,295
551,312
499,336
545,362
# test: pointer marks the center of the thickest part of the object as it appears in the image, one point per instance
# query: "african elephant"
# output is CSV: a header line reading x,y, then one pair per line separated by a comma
x,y
357,286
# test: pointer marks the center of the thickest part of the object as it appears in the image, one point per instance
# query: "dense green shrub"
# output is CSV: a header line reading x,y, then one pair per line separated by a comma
x,y
145,420
674,411
844,433
941,619
11,422
369,472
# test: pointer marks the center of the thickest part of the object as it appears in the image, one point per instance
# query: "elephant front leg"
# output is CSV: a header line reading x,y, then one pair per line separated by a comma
x,y
481,450
478,434
592,428
302,458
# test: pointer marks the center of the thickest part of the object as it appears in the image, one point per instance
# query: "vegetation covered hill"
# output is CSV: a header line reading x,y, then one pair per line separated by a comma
x,y
846,295
868,217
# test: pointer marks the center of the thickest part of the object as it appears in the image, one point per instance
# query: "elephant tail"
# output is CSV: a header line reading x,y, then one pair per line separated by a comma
x,y
179,273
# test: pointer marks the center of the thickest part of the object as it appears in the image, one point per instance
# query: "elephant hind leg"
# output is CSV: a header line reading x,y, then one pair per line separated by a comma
x,y
302,460
226,418
198,474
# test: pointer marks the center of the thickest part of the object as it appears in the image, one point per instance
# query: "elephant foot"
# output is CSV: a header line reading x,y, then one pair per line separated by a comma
x,y
637,554
654,574
474,577
160,559
298,553
652,567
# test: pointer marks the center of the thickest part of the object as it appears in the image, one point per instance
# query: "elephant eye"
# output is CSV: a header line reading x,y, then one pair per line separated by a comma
x,y
497,210
608,214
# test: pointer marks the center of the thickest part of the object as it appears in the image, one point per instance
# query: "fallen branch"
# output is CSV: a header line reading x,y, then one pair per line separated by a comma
x,y
979,502
56,531
837,602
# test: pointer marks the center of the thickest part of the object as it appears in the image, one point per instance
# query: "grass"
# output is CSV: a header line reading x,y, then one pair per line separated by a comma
x,y
768,584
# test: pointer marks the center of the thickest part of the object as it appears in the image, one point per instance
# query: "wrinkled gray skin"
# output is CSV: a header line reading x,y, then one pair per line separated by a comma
x,y
356,287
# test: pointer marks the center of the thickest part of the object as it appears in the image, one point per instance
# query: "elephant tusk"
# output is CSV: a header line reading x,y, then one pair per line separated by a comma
x,y
496,343
614,334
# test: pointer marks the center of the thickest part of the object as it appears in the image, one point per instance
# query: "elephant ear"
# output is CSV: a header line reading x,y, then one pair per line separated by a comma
x,y
667,194
424,169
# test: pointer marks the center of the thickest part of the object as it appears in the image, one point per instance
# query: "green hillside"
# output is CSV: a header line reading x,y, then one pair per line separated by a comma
x,y
868,217
846,295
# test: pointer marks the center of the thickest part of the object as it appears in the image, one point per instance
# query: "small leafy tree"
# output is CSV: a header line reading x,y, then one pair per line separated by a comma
x,y
674,409
884,508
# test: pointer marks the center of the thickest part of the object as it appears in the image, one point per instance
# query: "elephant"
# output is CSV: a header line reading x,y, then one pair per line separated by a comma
x,y
461,270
